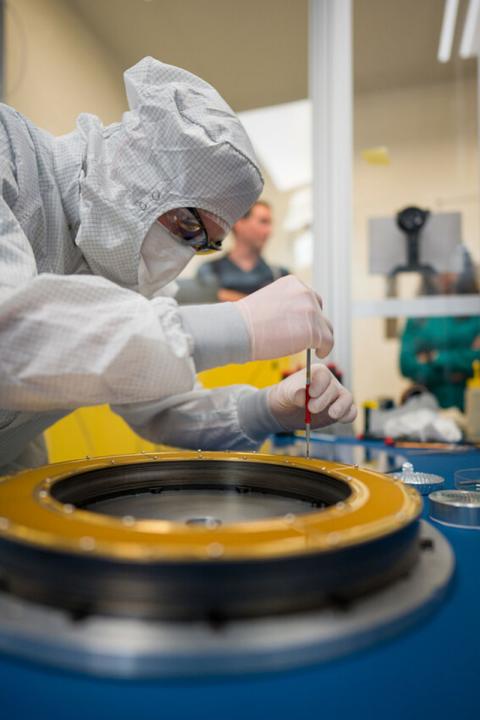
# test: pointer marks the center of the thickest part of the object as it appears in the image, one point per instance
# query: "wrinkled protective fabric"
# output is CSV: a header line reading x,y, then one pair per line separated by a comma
x,y
232,418
80,206
179,146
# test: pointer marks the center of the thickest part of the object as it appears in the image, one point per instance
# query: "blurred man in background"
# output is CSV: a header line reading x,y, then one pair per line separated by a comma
x,y
243,270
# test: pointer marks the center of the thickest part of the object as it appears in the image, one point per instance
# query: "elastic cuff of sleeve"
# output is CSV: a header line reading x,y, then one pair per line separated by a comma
x,y
255,417
219,334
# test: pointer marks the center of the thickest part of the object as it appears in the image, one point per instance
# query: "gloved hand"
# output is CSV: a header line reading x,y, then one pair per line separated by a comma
x,y
329,401
283,318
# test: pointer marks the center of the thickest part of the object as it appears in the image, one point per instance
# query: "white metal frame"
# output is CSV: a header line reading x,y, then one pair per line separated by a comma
x,y
425,306
331,91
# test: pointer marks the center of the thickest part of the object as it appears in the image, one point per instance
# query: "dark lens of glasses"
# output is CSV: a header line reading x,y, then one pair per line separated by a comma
x,y
205,242
187,224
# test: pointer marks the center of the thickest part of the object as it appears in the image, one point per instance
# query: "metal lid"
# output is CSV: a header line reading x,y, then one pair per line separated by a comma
x,y
425,483
460,508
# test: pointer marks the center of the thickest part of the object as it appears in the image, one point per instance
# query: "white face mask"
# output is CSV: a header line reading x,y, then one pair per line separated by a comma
x,y
162,259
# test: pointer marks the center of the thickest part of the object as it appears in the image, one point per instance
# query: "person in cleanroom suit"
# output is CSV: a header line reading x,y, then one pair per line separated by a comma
x,y
94,226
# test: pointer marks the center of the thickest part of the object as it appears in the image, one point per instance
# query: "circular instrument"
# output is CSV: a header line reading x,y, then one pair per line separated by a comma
x,y
222,540
460,508
425,483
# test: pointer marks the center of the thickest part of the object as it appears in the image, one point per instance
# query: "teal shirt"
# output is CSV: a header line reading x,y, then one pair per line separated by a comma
x,y
451,338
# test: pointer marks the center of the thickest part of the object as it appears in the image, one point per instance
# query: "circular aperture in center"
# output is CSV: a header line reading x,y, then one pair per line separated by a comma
x,y
206,493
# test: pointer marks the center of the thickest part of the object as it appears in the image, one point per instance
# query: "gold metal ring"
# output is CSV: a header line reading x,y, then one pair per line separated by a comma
x,y
376,507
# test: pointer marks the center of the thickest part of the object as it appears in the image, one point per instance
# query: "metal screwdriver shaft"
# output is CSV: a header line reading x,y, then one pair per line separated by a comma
x,y
308,418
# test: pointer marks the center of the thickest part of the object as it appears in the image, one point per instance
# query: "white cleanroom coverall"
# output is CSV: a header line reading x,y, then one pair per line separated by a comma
x,y
85,312
74,212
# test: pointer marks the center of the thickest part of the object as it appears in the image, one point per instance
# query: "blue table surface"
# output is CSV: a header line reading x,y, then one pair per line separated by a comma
x,y
431,670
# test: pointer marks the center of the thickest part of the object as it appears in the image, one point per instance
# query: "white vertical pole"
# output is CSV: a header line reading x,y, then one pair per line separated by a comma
x,y
331,91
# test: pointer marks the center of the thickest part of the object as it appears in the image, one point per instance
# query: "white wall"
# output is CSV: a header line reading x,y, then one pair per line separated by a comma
x,y
56,68
432,139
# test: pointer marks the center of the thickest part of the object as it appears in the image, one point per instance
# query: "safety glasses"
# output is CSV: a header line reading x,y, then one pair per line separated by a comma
x,y
187,224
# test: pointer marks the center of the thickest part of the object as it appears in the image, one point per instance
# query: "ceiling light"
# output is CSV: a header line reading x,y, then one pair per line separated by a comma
x,y
448,30
469,46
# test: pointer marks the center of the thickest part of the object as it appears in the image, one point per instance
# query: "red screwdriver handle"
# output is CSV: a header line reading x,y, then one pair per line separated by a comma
x,y
308,415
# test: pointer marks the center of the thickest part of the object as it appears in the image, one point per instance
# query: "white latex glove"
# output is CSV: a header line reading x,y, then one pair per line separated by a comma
x,y
329,401
285,317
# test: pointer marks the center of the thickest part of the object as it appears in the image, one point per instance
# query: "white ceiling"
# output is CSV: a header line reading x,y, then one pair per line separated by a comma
x,y
396,44
255,52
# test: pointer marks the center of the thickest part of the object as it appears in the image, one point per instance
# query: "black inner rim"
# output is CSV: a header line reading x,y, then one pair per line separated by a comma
x,y
236,477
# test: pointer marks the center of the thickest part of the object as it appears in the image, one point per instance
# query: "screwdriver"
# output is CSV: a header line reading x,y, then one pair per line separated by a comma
x,y
308,418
